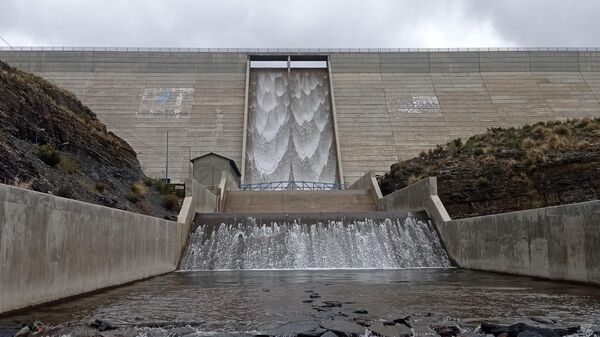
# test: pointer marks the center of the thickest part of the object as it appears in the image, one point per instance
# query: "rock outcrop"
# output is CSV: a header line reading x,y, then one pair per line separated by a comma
x,y
50,142
505,170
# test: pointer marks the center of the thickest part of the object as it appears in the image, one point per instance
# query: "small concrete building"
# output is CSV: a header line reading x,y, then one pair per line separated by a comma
x,y
207,169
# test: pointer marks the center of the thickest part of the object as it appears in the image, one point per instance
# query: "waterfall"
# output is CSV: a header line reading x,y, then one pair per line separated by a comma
x,y
290,127
296,244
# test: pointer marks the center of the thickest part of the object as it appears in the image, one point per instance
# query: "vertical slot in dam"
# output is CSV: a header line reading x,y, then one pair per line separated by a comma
x,y
290,127
322,241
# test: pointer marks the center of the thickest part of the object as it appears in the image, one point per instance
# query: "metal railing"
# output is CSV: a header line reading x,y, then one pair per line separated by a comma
x,y
296,50
292,186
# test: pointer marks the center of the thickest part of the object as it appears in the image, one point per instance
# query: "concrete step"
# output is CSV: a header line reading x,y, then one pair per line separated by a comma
x,y
268,219
298,201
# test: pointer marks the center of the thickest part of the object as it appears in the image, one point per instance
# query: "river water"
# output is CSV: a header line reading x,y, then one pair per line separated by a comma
x,y
253,302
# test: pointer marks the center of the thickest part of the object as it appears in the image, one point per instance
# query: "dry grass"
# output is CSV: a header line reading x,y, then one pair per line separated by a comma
x,y
139,189
26,184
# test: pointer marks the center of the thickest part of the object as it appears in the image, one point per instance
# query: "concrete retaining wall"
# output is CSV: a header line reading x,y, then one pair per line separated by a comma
x,y
420,196
560,243
52,248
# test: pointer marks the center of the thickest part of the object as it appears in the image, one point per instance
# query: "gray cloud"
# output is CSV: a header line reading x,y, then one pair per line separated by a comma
x,y
306,23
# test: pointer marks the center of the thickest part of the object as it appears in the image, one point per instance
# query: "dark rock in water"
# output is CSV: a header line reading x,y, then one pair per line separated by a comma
x,y
315,296
332,304
388,323
299,328
403,321
309,291
307,301
515,329
528,334
329,334
361,312
266,290
101,325
568,331
343,327
396,330
348,302
446,329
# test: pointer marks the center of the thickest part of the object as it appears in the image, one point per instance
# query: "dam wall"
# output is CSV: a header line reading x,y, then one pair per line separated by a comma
x,y
388,105
52,248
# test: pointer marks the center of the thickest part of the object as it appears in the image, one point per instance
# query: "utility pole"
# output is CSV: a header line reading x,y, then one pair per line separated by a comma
x,y
167,159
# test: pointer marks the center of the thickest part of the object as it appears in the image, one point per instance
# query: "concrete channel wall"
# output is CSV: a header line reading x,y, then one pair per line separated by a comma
x,y
389,105
52,248
559,243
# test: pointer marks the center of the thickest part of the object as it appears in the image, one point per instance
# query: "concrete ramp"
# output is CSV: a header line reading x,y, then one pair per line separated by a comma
x,y
298,201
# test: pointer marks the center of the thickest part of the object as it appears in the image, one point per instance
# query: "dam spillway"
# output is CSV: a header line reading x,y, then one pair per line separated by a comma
x,y
371,241
290,127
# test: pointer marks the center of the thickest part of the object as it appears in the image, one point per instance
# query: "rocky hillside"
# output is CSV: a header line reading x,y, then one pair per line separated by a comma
x,y
504,170
50,142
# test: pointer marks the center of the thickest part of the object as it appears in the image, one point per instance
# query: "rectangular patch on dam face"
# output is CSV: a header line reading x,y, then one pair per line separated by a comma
x,y
414,105
166,102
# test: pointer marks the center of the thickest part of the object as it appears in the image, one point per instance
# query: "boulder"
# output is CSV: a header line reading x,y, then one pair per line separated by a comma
x,y
343,327
397,330
299,328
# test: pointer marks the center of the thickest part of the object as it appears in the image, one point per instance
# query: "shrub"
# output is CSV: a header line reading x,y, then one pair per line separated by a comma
x,y
162,186
148,181
540,132
583,145
144,207
478,151
483,181
67,164
528,143
48,154
133,198
139,189
561,130
100,187
170,201
65,192
457,143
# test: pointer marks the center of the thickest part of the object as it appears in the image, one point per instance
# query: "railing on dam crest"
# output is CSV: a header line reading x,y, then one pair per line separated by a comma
x,y
292,186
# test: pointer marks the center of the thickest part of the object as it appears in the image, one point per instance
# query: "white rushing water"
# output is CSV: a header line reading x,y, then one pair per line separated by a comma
x,y
397,243
290,127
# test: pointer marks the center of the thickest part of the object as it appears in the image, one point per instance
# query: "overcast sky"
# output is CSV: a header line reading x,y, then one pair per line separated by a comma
x,y
306,23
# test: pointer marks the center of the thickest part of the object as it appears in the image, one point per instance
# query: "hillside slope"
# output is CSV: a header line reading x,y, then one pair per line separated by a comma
x,y
511,169
50,142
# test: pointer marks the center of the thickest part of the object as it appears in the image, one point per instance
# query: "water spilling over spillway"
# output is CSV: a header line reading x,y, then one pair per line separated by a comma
x,y
296,243
290,127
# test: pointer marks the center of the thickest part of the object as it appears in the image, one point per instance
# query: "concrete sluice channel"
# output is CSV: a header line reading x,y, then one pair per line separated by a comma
x,y
384,268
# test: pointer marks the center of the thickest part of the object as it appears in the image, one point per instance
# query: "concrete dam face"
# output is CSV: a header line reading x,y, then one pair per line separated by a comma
x,y
290,127
386,105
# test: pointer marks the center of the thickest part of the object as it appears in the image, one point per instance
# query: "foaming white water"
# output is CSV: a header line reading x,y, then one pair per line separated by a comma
x,y
290,127
367,244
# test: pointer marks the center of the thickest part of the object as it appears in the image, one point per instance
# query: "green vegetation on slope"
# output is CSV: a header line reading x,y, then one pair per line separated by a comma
x,y
545,164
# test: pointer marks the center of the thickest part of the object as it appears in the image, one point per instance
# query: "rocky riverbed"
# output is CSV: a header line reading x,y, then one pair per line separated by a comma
x,y
328,303
337,322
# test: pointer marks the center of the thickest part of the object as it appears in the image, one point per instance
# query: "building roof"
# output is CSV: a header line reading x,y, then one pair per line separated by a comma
x,y
231,162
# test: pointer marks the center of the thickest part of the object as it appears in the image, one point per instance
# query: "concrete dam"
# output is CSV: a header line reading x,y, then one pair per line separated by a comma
x,y
385,105
346,261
